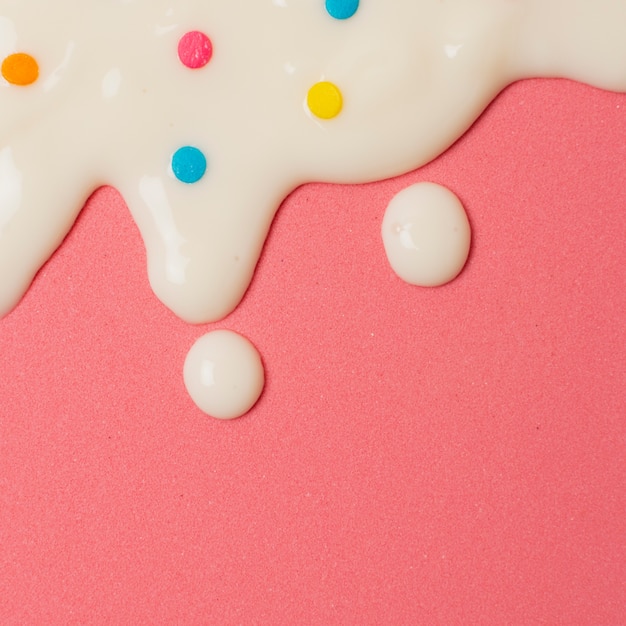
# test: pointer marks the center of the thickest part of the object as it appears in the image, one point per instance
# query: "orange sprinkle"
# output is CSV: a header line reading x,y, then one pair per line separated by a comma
x,y
20,69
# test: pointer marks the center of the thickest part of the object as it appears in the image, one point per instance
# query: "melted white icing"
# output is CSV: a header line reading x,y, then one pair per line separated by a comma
x,y
223,374
426,235
113,102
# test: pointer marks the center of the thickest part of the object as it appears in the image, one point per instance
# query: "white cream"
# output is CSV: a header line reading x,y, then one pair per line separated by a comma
x,y
224,374
113,102
426,235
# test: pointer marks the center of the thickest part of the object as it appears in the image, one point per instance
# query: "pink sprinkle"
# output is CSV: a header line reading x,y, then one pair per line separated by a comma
x,y
195,49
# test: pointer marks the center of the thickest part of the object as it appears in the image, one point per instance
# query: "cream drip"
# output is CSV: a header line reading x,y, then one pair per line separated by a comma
x,y
426,235
223,374
113,103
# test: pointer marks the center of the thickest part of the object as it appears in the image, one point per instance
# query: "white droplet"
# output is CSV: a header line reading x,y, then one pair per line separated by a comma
x,y
224,374
426,235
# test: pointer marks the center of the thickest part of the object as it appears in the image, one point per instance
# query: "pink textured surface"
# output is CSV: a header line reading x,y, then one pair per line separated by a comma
x,y
454,455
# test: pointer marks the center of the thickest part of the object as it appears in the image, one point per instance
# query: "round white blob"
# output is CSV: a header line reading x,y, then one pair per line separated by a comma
x,y
224,374
426,235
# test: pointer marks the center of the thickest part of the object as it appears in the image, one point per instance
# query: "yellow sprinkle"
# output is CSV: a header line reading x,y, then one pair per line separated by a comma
x,y
20,69
325,100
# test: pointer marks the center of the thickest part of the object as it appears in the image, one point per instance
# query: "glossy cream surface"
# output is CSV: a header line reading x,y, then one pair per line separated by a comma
x,y
113,102
426,235
223,374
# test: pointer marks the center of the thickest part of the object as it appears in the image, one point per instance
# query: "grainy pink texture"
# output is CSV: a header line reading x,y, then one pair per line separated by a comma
x,y
450,455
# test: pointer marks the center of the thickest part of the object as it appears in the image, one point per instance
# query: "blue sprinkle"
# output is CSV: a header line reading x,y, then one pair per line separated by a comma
x,y
189,164
342,9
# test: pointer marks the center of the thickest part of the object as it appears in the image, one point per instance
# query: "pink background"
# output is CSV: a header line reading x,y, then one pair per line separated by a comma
x,y
418,456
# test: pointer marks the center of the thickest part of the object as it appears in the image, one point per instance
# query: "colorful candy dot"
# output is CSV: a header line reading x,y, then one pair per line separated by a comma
x,y
195,50
342,9
20,69
325,100
189,164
